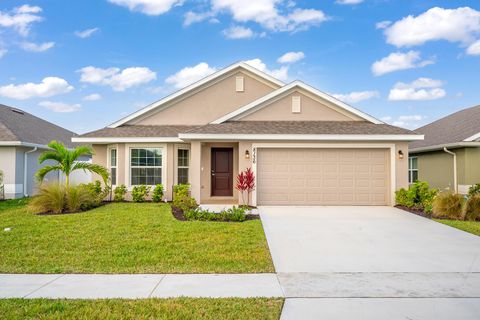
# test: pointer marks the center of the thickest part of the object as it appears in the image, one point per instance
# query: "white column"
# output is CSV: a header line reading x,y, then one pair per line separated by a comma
x,y
196,169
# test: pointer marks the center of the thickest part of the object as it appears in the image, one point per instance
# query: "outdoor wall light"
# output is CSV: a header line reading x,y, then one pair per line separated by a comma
x,y
400,154
247,154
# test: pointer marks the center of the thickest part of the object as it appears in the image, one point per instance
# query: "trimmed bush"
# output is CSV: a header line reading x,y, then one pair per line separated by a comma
x,y
474,190
235,214
182,198
140,193
157,193
448,205
472,208
418,196
50,198
119,193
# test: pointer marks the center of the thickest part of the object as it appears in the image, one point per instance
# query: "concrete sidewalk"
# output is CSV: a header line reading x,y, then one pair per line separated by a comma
x,y
134,286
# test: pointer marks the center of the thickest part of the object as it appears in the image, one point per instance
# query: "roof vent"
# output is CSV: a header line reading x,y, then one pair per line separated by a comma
x,y
17,111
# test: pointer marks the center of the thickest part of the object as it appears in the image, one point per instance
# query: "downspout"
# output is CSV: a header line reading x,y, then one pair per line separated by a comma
x,y
25,167
454,168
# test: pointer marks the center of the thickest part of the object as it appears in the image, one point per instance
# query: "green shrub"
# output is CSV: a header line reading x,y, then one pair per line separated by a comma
x,y
472,208
448,205
50,198
157,193
119,193
236,214
78,198
140,193
182,198
418,196
97,194
474,190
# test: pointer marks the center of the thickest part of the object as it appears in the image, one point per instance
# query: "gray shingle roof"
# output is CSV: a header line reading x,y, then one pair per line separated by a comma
x,y
138,131
300,127
451,129
18,125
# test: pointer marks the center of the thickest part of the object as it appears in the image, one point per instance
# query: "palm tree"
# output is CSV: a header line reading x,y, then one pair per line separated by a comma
x,y
65,159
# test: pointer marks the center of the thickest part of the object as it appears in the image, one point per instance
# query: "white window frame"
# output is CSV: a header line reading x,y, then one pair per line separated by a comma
x,y
111,166
128,151
239,84
411,170
182,147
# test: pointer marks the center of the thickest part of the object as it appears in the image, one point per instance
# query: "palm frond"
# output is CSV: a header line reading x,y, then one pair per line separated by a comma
x,y
50,155
95,168
40,175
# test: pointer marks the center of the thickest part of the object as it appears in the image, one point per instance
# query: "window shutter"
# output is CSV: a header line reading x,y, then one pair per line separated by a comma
x,y
296,104
240,84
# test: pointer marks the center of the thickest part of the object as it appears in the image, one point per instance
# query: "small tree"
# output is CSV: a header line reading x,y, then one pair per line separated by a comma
x,y
245,183
65,160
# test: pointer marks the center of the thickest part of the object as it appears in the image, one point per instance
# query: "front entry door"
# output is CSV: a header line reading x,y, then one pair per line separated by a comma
x,y
222,172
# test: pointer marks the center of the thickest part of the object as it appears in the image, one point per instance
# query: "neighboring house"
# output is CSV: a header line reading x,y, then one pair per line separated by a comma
x,y
451,142
304,146
23,137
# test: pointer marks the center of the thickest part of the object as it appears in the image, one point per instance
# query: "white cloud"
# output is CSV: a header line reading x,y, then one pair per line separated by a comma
x,y
86,33
291,57
383,24
238,32
357,96
60,106
268,14
474,49
414,117
280,73
3,52
399,61
92,97
149,7
189,75
349,1
20,18
34,47
386,118
406,121
455,25
49,86
119,80
420,89
194,17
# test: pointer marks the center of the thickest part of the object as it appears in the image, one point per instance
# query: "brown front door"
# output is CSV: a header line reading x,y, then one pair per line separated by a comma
x,y
222,172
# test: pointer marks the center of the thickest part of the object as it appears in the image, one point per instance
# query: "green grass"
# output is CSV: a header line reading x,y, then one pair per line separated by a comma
x,y
468,226
128,238
12,204
181,308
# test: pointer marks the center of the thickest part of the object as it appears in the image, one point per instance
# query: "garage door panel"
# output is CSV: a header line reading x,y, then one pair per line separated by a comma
x,y
323,176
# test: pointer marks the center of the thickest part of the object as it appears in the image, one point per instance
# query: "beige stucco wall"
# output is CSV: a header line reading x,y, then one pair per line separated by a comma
x,y
436,167
210,103
312,109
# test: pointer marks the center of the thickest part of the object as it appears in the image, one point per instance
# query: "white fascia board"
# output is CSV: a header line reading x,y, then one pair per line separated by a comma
x,y
237,114
302,137
448,145
22,144
475,137
194,86
125,140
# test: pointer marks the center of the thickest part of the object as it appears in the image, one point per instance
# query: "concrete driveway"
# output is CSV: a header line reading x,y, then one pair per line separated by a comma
x,y
372,263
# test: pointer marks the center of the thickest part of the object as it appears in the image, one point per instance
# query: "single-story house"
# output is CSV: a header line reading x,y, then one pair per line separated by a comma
x,y
304,146
23,137
449,157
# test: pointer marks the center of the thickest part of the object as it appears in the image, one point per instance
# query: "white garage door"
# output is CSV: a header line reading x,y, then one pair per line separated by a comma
x,y
323,176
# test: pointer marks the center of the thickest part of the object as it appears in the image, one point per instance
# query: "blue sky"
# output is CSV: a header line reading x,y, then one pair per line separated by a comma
x,y
85,64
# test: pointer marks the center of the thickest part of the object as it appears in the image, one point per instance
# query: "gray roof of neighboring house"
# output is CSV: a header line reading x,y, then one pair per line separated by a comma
x,y
138,131
450,130
18,125
300,127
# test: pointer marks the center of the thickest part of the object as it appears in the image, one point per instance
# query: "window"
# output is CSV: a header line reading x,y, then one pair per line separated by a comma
x,y
412,169
182,165
145,166
113,166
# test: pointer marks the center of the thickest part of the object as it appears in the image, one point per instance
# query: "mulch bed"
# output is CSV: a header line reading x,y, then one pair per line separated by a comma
x,y
415,211
178,214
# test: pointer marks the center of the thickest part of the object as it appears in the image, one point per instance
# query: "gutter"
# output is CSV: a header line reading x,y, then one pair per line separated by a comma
x,y
454,168
438,147
25,167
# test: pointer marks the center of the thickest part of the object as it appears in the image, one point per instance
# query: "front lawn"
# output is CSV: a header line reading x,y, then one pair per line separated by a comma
x,y
182,308
128,238
468,226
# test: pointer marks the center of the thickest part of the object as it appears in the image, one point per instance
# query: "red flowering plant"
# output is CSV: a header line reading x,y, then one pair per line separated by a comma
x,y
245,183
